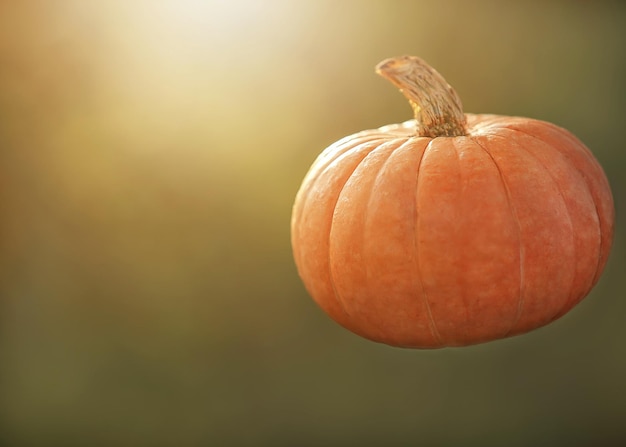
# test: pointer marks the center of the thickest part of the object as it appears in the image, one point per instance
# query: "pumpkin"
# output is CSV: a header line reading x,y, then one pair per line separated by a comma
x,y
451,229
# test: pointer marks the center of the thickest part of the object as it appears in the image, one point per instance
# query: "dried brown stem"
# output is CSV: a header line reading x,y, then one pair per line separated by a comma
x,y
437,107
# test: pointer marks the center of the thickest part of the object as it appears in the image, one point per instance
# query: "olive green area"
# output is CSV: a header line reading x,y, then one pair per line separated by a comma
x,y
150,152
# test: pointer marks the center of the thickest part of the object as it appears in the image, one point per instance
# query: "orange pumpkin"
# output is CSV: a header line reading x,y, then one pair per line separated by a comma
x,y
451,229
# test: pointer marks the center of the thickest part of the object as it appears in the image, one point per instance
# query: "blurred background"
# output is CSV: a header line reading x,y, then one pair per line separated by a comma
x,y
150,152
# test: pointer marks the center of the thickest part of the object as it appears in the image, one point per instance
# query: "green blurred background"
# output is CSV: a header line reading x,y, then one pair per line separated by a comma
x,y
150,152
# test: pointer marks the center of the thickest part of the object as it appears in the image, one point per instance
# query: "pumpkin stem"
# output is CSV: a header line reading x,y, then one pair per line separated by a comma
x,y
437,107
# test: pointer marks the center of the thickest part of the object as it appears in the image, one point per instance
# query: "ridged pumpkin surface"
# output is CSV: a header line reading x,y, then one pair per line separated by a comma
x,y
450,241
427,242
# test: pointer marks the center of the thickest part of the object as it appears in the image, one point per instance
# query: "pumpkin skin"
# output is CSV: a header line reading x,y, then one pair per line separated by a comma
x,y
425,242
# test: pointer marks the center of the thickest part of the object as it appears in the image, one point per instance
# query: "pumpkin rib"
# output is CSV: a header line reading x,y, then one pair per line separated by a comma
x,y
464,180
330,230
372,194
328,300
433,325
589,189
605,239
489,258
568,303
520,303
390,145
312,177
330,155
573,238
382,167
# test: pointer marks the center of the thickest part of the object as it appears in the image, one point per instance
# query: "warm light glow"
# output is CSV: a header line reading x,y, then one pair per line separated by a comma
x,y
174,66
213,15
